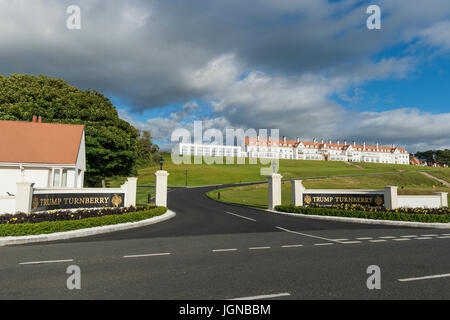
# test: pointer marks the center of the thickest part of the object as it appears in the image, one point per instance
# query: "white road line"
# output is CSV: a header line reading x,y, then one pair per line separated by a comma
x,y
323,244
377,240
350,242
445,234
292,246
426,277
42,262
307,235
340,239
259,248
409,236
428,235
147,255
402,239
367,238
444,237
267,296
387,237
423,238
224,250
234,214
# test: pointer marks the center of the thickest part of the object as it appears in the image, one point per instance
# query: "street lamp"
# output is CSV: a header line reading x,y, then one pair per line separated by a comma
x,y
161,162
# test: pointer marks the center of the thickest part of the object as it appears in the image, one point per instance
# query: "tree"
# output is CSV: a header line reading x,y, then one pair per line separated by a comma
x,y
111,143
147,151
440,156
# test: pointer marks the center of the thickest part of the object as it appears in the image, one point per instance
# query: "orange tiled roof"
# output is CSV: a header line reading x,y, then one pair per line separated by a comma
x,y
33,142
319,145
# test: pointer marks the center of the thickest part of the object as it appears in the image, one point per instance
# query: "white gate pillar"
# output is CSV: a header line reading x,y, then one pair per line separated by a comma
x,y
161,188
444,200
274,190
297,193
390,197
24,194
130,192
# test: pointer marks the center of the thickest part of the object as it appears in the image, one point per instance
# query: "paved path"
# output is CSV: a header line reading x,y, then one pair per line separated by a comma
x,y
213,250
445,183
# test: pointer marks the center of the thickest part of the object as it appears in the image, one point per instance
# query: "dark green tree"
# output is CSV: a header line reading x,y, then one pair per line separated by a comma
x,y
111,143
147,150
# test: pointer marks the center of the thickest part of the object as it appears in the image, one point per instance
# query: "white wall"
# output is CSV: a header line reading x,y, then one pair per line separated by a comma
x,y
419,201
9,176
7,204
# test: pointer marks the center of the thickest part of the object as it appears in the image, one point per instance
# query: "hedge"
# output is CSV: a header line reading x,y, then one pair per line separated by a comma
x,y
395,215
68,225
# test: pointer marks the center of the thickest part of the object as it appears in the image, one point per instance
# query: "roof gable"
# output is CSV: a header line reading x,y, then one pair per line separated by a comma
x,y
33,142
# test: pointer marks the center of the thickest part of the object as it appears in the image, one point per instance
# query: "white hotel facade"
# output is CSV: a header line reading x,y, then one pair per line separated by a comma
x,y
300,150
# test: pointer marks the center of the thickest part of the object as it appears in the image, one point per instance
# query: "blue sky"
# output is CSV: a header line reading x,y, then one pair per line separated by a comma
x,y
309,68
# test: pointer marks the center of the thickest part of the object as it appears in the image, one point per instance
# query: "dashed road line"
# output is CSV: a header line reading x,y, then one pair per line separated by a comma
x,y
408,236
377,240
402,239
147,255
266,296
292,246
44,262
444,237
258,248
426,277
387,237
224,250
237,215
351,242
365,238
324,244
423,238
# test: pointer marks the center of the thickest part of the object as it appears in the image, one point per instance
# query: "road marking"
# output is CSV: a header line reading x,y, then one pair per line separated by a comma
x,y
292,246
259,248
444,237
428,235
42,262
147,255
340,239
426,277
409,236
323,244
367,238
224,250
445,234
350,242
387,237
423,238
267,296
377,240
307,235
402,239
234,214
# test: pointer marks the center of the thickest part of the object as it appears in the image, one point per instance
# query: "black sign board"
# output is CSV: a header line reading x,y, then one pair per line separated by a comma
x,y
326,199
58,201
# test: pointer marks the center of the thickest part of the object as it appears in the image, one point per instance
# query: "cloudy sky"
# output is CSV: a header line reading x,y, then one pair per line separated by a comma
x,y
310,68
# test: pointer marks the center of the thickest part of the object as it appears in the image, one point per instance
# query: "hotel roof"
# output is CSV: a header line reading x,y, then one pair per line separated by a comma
x,y
320,145
36,142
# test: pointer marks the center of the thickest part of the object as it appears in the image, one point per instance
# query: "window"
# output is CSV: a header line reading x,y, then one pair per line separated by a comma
x,y
56,177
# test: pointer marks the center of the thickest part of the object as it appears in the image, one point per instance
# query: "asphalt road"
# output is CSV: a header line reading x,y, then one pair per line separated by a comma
x,y
217,251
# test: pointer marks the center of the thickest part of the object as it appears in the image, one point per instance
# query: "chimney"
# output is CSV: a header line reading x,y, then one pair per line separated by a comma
x,y
364,145
284,139
34,118
257,137
345,142
39,119
378,145
329,141
298,139
354,143
270,138
338,142
321,140
314,140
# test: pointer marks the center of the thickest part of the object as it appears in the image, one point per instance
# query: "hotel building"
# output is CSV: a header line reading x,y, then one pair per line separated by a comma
x,y
301,150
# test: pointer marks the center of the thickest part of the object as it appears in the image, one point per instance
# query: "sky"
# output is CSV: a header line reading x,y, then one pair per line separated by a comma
x,y
310,68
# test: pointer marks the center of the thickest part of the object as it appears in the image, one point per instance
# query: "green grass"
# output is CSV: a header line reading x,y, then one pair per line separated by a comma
x,y
203,174
441,173
61,226
257,195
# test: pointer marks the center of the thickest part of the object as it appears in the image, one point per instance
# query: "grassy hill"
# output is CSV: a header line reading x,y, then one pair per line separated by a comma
x,y
203,174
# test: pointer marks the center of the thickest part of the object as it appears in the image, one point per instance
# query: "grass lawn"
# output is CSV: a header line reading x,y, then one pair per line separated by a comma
x,y
256,195
203,174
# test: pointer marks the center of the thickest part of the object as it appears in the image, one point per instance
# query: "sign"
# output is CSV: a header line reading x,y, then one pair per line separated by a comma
x,y
326,199
57,201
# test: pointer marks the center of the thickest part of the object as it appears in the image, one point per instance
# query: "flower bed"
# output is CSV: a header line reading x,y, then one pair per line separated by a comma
x,y
66,215
441,215
117,216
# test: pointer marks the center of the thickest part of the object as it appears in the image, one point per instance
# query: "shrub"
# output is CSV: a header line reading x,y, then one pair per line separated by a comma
x,y
416,215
